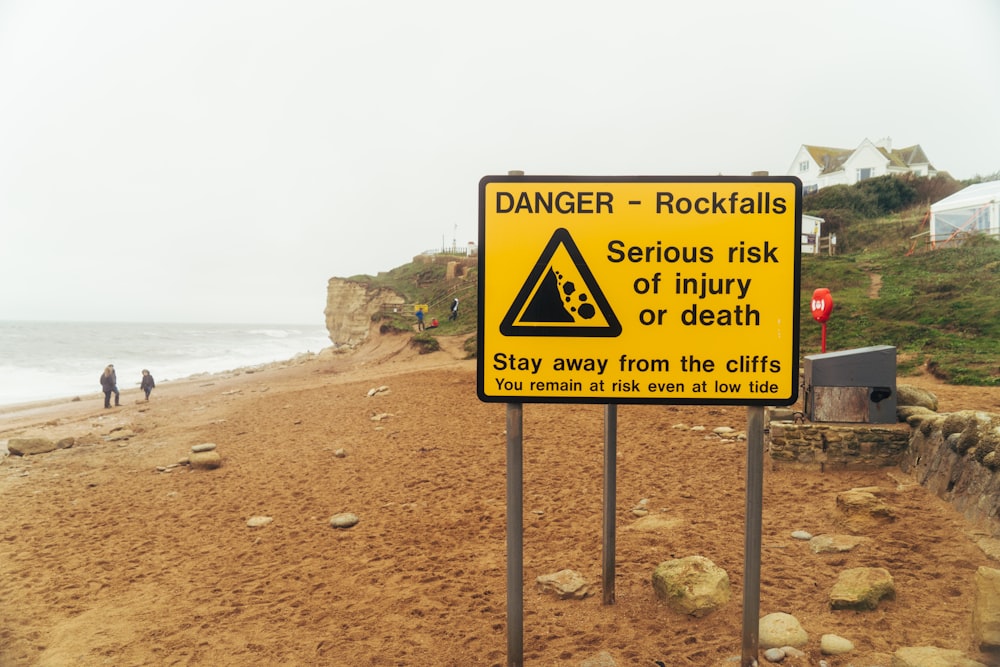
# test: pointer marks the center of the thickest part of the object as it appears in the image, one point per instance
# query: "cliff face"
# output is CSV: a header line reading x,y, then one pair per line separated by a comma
x,y
349,309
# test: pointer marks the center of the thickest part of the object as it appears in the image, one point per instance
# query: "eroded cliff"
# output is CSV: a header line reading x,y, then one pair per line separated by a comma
x,y
349,309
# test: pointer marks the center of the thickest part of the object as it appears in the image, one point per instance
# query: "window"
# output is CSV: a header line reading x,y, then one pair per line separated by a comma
x,y
809,189
803,166
865,173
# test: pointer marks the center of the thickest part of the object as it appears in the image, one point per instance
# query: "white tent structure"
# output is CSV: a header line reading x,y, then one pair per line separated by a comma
x,y
974,210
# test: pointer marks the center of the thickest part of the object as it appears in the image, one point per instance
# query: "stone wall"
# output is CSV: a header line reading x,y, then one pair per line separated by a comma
x,y
955,456
837,446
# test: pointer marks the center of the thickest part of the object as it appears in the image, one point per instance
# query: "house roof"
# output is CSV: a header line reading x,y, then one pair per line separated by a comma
x,y
833,159
829,159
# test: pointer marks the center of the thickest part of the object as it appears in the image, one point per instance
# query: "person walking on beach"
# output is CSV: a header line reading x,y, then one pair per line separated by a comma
x,y
109,384
147,383
454,310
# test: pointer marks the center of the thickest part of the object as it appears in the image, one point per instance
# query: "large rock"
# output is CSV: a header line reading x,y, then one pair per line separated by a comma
x,y
908,395
780,629
693,585
986,609
29,446
862,588
861,511
349,309
205,460
564,584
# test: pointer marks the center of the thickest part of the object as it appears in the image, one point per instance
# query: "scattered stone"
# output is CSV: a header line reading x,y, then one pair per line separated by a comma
x,y
30,446
380,416
693,585
774,655
823,544
802,535
862,588
258,521
908,395
564,584
862,510
779,629
204,447
340,453
375,391
344,520
698,428
656,522
723,430
602,659
792,652
681,427
835,645
205,460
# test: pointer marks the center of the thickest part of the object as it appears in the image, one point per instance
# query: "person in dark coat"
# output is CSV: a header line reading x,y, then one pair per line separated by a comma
x,y
454,310
147,383
109,385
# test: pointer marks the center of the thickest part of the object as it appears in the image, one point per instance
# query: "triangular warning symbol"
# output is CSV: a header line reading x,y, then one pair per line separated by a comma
x,y
561,297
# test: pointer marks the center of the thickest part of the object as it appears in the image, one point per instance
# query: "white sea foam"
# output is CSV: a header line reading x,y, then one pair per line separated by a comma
x,y
45,360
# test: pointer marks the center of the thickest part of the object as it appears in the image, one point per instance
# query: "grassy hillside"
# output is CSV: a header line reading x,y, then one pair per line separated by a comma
x,y
939,308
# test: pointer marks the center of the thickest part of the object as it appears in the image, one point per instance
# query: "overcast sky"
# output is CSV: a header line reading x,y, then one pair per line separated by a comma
x,y
219,160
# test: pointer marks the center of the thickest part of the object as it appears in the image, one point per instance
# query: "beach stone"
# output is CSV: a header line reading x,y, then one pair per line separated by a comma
x,y
862,588
792,652
931,656
30,446
908,395
651,523
564,584
340,453
774,655
861,510
823,544
801,535
258,521
344,520
205,460
204,447
693,585
602,659
835,645
780,629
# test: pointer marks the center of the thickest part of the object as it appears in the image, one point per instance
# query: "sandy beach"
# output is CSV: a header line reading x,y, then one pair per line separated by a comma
x,y
111,554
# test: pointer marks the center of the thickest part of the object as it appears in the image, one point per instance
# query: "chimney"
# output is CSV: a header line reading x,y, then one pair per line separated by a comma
x,y
884,142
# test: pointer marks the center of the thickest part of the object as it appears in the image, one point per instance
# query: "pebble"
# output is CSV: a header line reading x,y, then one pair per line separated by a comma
x,y
204,447
258,521
774,655
340,453
344,520
802,535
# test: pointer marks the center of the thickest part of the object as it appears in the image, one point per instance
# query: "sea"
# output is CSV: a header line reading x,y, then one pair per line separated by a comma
x,y
49,360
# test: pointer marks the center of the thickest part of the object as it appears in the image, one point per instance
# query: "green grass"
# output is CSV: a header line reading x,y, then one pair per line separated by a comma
x,y
939,308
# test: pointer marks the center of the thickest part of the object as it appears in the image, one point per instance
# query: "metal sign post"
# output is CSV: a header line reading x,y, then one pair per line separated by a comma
x,y
515,535
610,491
751,553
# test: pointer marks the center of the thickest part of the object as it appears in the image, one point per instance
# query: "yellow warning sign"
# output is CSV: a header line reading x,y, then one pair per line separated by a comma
x,y
639,290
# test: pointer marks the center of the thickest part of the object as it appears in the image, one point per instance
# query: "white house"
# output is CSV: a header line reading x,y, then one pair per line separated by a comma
x,y
975,209
820,166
